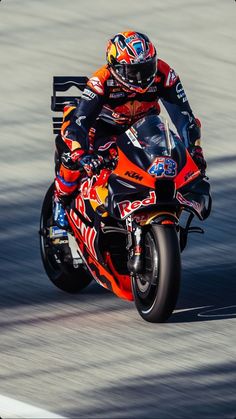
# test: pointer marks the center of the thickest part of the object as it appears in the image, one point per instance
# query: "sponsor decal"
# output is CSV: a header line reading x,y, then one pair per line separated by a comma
x,y
79,119
130,38
106,146
127,207
163,167
96,85
133,175
133,130
179,88
171,78
184,201
88,234
180,92
188,175
139,218
133,138
115,115
87,190
117,95
88,95
80,206
66,157
76,154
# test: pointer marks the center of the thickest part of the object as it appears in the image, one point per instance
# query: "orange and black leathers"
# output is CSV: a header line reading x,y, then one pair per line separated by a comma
x,y
110,108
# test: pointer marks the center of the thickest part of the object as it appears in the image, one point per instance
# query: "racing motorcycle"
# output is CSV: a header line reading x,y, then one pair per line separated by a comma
x,y
125,224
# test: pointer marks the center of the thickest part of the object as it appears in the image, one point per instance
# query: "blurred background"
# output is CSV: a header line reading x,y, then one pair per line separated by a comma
x,y
91,355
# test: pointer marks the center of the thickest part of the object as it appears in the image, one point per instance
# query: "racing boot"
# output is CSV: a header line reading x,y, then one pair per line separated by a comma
x,y
64,188
59,213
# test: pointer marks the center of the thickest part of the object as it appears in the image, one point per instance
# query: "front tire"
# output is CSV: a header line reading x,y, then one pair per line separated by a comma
x,y
63,274
156,290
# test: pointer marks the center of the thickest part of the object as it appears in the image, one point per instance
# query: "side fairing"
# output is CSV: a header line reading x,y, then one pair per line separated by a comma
x,y
124,197
196,196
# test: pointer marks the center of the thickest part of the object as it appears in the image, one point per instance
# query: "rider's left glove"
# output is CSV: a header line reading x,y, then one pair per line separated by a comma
x,y
197,155
92,164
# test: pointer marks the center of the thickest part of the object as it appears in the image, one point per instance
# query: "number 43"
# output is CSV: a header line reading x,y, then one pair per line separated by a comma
x,y
163,167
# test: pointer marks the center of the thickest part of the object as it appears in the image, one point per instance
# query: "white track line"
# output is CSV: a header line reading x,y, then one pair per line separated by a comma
x,y
208,313
10,408
183,310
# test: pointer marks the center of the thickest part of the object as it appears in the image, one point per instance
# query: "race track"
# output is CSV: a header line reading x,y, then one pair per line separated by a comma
x,y
91,355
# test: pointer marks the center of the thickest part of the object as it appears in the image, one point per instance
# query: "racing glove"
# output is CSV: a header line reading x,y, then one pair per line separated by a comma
x,y
92,164
197,155
111,157
71,159
194,131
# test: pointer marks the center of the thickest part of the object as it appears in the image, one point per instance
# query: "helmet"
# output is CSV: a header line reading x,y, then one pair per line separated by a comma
x,y
132,60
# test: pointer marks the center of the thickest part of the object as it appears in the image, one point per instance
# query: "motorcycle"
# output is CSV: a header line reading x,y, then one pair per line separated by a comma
x,y
125,224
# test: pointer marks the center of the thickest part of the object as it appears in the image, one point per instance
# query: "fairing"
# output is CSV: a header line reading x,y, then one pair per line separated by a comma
x,y
155,175
152,157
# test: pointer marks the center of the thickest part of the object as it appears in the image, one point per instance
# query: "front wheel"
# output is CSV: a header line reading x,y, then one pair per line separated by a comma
x,y
156,289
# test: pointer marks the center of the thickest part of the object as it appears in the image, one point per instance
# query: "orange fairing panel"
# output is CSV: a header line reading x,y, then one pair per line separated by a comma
x,y
118,285
189,172
115,282
124,165
121,290
124,280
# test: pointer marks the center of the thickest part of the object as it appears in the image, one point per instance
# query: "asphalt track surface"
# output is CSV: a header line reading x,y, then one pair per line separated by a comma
x,y
91,355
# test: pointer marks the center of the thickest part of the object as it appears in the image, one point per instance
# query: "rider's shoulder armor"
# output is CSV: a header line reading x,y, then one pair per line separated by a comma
x,y
98,80
167,75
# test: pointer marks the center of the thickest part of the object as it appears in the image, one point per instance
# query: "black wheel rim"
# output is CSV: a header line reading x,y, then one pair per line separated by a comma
x,y
146,284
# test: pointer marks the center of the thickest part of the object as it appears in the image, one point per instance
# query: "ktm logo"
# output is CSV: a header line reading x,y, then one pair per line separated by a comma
x,y
133,175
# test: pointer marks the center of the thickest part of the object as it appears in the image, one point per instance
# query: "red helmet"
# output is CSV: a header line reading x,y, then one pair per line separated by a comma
x,y
132,59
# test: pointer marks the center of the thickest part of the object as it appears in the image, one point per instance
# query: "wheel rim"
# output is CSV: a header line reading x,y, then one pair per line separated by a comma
x,y
147,283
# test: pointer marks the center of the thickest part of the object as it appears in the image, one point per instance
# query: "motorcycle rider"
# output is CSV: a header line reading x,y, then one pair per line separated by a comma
x,y
124,90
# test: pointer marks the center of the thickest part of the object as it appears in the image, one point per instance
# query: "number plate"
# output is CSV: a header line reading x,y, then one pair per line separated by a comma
x,y
163,167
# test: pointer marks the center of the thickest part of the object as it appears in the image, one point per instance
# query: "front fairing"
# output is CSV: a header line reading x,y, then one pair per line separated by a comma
x,y
148,139
153,166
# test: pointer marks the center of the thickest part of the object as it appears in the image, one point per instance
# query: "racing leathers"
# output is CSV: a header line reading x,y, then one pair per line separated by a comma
x,y
105,109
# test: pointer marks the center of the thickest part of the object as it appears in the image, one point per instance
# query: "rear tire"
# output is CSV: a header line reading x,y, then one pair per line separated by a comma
x,y
62,274
156,290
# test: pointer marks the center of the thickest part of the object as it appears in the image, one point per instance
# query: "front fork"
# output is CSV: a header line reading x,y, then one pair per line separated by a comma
x,y
135,237
134,246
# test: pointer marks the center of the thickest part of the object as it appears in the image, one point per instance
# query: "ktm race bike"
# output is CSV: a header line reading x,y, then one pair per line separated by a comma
x,y
125,224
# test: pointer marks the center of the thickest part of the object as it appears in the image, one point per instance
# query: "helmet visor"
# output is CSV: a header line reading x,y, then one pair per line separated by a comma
x,y
140,75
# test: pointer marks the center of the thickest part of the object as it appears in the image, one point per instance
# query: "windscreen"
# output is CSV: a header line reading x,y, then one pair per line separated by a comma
x,y
149,138
154,136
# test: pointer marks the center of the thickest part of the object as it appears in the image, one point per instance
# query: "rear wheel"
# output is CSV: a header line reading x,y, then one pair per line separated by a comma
x,y
156,290
57,258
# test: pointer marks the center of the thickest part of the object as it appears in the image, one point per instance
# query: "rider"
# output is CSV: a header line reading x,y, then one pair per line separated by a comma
x,y
124,90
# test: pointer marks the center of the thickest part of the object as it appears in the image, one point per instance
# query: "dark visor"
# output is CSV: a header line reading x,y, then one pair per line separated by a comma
x,y
138,74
